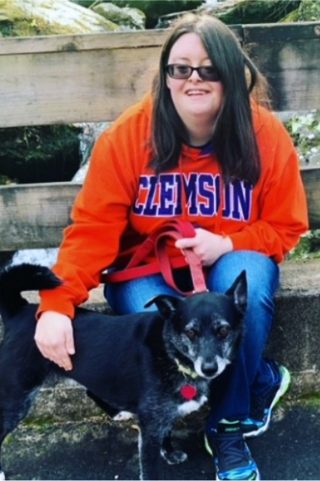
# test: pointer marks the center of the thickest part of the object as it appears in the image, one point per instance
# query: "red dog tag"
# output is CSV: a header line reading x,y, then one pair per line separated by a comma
x,y
188,391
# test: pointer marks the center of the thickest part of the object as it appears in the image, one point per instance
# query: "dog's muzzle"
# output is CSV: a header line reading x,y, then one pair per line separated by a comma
x,y
211,368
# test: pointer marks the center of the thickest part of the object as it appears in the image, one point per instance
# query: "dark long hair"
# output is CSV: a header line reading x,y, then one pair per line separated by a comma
x,y
233,138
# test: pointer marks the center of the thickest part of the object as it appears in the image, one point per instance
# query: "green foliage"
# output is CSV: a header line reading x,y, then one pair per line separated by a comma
x,y
308,247
308,11
258,11
39,154
305,132
304,129
155,8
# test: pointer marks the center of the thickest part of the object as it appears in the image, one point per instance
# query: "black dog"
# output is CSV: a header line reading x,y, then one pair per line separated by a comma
x,y
157,365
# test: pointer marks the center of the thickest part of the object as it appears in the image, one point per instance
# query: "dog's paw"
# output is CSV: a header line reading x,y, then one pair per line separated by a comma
x,y
123,416
174,457
2,476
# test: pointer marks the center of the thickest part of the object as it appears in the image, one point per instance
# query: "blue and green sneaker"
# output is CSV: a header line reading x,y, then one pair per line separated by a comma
x,y
231,455
261,406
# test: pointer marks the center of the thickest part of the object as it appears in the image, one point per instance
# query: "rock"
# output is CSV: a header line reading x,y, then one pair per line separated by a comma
x,y
153,9
251,11
308,11
127,18
49,17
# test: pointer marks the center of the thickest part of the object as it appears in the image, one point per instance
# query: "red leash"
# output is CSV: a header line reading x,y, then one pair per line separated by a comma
x,y
156,242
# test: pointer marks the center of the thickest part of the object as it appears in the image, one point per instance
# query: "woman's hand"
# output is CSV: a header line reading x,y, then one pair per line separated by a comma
x,y
208,247
54,338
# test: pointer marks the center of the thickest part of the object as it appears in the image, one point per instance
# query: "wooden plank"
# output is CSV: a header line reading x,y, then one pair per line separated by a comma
x,y
65,87
149,38
64,79
73,43
34,215
280,32
311,181
290,59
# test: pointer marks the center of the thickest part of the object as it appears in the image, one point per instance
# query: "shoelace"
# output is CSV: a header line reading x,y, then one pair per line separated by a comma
x,y
231,451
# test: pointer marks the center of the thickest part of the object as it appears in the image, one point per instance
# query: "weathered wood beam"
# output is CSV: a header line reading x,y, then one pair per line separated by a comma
x,y
83,78
34,215
290,59
311,180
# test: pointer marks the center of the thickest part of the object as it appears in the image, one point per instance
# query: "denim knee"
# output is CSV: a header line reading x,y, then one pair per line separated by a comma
x,y
131,296
262,276
262,272
263,280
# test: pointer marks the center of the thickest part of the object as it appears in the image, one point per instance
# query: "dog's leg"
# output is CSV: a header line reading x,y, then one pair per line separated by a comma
x,y
115,414
149,448
2,437
170,454
102,404
13,408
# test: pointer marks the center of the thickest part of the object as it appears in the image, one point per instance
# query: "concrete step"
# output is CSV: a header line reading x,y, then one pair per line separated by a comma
x,y
295,336
98,449
294,341
66,436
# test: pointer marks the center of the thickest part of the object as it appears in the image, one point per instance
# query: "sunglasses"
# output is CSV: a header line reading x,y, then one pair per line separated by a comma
x,y
183,72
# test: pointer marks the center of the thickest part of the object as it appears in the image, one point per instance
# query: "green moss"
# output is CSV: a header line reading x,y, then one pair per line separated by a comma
x,y
308,10
310,399
27,28
15,23
258,11
154,9
39,423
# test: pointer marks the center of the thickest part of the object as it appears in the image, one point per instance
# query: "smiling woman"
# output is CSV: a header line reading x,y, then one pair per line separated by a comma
x,y
199,147
197,100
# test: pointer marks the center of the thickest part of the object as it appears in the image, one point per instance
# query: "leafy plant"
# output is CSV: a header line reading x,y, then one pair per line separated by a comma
x,y
39,154
305,132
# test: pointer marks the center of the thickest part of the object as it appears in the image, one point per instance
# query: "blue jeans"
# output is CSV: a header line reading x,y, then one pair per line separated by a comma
x,y
249,373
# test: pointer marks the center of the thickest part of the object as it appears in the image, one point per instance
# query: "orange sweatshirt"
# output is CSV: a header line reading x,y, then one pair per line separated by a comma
x,y
122,201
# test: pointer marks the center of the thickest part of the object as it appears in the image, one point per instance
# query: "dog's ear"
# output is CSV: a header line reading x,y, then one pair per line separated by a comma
x,y
167,305
239,292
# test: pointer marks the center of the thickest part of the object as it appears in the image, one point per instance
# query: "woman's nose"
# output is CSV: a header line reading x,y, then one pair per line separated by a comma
x,y
195,75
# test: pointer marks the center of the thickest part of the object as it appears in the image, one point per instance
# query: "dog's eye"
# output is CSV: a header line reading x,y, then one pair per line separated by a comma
x,y
223,332
191,334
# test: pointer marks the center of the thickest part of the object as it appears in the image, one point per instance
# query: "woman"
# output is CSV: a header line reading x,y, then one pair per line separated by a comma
x,y
200,147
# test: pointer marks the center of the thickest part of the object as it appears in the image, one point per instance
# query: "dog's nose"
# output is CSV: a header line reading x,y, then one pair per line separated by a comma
x,y
209,368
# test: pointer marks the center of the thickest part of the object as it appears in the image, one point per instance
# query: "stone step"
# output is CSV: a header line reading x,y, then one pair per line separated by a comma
x,y
99,449
294,341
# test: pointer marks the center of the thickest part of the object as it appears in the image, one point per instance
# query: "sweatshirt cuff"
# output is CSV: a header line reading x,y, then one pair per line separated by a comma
x,y
56,300
240,241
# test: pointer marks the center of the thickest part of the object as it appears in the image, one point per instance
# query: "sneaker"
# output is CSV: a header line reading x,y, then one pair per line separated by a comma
x,y
262,406
231,455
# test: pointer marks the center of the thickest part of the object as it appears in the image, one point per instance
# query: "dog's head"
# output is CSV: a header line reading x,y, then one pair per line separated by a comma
x,y
205,328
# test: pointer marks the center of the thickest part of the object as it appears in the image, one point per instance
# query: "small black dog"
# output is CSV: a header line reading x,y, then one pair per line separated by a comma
x,y
157,365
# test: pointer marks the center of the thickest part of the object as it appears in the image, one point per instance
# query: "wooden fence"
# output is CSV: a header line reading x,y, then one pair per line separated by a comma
x,y
94,77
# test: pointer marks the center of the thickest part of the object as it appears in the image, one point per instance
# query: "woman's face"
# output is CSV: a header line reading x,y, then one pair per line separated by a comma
x,y
193,98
